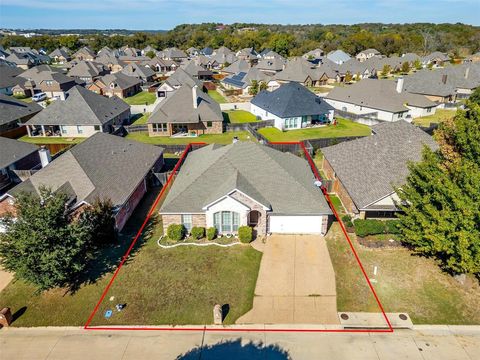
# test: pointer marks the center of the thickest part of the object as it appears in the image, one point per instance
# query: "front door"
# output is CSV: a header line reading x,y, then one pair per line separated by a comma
x,y
254,218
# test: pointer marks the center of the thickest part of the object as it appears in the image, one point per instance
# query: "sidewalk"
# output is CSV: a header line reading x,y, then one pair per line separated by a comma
x,y
423,343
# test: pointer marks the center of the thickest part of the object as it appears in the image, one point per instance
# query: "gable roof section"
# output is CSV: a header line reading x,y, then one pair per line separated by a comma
x,y
291,100
104,166
275,179
12,109
372,166
81,107
14,150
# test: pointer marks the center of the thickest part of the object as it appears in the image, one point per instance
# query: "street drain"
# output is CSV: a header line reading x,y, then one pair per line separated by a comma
x,y
344,317
403,316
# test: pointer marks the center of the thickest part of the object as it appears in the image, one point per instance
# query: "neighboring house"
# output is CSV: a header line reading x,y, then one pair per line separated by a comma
x,y
60,56
291,106
207,51
436,59
301,71
188,111
246,184
271,65
23,61
102,167
445,85
14,113
315,54
45,79
117,84
175,81
338,56
197,71
8,78
366,171
82,114
474,58
17,158
87,71
367,54
248,54
382,100
112,63
143,73
173,54
243,81
237,67
162,66
192,52
84,54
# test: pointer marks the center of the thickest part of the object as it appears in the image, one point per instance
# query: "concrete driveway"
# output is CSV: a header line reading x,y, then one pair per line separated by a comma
x,y
296,283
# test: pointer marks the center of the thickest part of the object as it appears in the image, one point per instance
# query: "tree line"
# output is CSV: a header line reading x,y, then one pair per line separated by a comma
x,y
458,39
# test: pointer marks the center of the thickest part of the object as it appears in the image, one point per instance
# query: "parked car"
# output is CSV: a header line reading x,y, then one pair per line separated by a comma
x,y
39,97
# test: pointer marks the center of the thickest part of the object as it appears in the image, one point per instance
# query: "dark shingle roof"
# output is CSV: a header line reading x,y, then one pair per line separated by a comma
x,y
281,181
81,107
104,166
14,150
291,100
12,109
372,166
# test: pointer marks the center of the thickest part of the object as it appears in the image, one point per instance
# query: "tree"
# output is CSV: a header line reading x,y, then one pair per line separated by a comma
x,y
150,54
42,246
440,199
475,97
253,89
348,77
99,221
417,64
405,67
263,86
386,71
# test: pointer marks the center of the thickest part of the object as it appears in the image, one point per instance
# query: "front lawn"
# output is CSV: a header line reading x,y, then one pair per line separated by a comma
x,y
238,117
215,95
225,138
51,140
159,286
343,128
439,116
141,98
404,282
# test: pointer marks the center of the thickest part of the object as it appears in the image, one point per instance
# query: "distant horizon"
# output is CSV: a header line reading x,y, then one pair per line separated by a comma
x,y
164,15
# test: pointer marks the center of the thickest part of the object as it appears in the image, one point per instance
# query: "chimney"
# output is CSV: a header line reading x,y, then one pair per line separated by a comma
x,y
444,78
194,96
467,70
399,85
45,157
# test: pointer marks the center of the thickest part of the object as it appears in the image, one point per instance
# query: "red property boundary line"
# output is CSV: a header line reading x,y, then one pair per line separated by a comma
x,y
205,328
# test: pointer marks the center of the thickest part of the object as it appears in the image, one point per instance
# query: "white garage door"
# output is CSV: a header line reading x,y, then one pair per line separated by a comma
x,y
296,224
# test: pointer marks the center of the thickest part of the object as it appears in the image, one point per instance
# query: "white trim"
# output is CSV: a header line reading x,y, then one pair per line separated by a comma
x,y
228,195
373,202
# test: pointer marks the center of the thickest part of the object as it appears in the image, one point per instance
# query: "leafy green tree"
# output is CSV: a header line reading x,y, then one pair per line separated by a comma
x,y
417,64
405,67
475,97
99,221
386,71
253,89
42,246
348,77
150,54
263,86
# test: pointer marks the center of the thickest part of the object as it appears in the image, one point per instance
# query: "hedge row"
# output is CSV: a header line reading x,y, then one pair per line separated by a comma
x,y
374,227
177,232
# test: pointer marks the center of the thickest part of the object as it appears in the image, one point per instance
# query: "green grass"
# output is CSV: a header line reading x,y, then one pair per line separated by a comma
x,y
405,283
337,204
343,128
51,140
141,98
140,119
215,95
238,117
27,100
439,116
159,286
225,138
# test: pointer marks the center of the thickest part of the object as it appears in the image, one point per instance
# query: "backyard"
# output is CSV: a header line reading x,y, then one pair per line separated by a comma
x,y
142,98
140,119
159,286
215,95
404,282
342,128
238,117
51,140
439,116
225,138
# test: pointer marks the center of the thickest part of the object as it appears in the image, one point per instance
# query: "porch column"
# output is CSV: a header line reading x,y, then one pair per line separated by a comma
x,y
43,131
28,130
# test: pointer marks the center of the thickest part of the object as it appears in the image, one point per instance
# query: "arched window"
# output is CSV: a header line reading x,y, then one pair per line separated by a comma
x,y
226,221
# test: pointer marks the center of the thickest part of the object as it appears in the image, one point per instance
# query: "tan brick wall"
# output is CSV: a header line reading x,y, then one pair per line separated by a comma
x,y
168,219
262,222
338,188
199,129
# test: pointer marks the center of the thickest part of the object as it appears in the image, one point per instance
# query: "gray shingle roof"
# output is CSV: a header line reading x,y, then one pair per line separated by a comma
x,y
14,150
12,109
298,69
181,77
7,75
103,166
81,107
291,100
237,66
178,108
119,80
378,94
275,179
372,166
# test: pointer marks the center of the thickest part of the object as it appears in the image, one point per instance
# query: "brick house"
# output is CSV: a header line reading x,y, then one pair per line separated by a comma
x,y
246,184
116,84
14,112
188,111
102,167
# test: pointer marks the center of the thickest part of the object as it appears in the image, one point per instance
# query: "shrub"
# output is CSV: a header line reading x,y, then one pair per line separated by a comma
x,y
211,233
198,232
391,226
369,227
347,220
176,232
245,234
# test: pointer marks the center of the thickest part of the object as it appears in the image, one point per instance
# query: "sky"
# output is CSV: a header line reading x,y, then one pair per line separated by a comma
x,y
166,14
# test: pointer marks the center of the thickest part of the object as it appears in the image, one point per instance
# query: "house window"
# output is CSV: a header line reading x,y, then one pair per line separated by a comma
x,y
226,221
209,124
63,129
291,123
97,127
429,110
400,115
79,129
49,82
187,222
160,127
